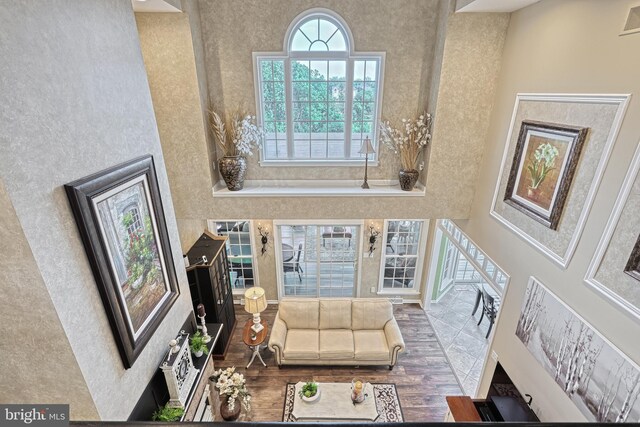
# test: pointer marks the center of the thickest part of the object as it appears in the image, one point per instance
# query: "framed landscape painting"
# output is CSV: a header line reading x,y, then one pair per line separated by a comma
x,y
121,222
545,160
633,265
600,380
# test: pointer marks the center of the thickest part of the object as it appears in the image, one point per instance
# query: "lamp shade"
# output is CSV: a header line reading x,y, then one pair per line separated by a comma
x,y
255,300
366,148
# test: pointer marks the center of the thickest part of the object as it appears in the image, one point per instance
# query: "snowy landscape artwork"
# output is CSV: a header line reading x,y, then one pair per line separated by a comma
x,y
601,381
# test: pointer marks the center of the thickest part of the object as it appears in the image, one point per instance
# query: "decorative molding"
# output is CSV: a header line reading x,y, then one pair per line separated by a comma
x,y
562,260
596,261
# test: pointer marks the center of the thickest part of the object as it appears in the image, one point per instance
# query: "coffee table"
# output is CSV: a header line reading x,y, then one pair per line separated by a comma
x,y
334,404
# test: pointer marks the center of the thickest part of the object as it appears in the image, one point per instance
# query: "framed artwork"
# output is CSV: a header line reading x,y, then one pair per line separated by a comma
x,y
600,380
121,222
633,265
544,163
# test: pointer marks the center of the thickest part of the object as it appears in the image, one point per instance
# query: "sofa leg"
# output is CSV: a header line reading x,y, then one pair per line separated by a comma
x,y
391,367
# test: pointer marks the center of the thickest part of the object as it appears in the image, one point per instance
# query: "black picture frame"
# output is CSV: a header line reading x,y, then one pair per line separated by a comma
x,y
121,221
574,138
633,264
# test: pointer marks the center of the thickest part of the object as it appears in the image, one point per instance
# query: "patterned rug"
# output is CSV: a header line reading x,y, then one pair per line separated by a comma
x,y
386,398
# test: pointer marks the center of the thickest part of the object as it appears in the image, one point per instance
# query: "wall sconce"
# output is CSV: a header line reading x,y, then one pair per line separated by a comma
x,y
373,238
264,238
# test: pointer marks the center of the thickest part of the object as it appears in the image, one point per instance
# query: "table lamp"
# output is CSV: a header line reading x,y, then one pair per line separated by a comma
x,y
366,149
255,302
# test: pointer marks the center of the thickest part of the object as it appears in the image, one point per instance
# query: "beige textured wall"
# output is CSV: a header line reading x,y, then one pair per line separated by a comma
x,y
558,47
166,42
32,332
75,101
405,30
471,59
471,63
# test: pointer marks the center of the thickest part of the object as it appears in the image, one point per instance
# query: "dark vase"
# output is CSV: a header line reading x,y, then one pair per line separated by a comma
x,y
233,170
408,179
225,413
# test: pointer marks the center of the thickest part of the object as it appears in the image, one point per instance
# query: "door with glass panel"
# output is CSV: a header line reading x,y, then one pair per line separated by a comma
x,y
318,260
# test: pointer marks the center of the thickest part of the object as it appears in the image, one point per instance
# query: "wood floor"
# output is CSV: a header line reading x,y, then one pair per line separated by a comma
x,y
422,376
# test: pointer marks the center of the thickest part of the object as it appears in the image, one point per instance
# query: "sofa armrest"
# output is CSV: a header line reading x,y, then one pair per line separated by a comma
x,y
394,340
277,338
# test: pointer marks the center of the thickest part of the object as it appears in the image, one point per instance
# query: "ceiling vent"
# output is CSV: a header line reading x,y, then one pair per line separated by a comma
x,y
632,25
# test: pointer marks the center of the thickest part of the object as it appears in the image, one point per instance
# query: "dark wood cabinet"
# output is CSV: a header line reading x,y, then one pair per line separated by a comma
x,y
210,285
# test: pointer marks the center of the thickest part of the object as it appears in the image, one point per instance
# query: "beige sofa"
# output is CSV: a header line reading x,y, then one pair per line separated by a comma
x,y
335,332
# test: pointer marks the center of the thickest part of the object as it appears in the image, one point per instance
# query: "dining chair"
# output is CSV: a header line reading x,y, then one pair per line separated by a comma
x,y
294,266
489,310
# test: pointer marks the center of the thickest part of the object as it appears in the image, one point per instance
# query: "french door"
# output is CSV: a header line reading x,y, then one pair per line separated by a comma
x,y
318,260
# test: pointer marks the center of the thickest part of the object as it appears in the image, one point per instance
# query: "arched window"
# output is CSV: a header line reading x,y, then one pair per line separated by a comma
x,y
319,99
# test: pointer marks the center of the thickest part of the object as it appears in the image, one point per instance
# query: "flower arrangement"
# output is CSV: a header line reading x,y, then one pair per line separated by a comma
x,y
232,385
541,163
238,134
409,139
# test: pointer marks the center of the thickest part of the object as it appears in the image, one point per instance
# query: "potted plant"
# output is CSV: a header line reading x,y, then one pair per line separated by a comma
x,y
168,414
233,392
408,141
236,135
541,162
197,345
309,391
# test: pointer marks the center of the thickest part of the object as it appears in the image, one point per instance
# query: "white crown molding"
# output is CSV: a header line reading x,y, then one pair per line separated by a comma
x,y
562,260
605,240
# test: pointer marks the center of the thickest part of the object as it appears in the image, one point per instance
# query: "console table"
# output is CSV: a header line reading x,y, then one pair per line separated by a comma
x,y
156,394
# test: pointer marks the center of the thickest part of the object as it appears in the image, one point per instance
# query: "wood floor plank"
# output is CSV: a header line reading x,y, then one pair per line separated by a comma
x,y
423,376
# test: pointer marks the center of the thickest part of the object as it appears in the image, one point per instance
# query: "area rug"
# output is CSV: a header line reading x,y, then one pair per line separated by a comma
x,y
385,395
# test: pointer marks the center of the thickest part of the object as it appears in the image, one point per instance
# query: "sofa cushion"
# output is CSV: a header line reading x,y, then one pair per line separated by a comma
x,y
301,344
370,345
335,314
336,344
370,313
299,313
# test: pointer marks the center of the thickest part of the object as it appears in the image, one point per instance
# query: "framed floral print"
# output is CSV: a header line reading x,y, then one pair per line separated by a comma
x,y
633,265
121,222
543,166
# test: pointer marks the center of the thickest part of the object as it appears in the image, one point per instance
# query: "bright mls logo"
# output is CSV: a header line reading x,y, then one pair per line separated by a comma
x,y
37,415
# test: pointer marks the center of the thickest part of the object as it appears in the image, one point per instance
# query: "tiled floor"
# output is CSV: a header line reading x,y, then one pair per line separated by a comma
x,y
463,340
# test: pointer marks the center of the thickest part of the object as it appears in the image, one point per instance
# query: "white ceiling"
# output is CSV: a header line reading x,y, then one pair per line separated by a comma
x,y
152,6
496,5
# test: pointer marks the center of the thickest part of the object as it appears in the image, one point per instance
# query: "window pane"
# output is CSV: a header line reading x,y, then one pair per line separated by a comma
x,y
371,71
239,250
337,90
273,108
300,42
318,70
326,29
267,70
358,70
300,111
337,42
299,70
301,91
338,70
319,91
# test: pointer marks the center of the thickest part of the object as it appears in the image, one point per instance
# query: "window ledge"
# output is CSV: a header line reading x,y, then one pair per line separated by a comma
x,y
398,292
318,188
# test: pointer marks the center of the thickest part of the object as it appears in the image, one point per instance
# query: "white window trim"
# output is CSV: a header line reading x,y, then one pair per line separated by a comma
x,y
320,223
480,268
350,55
211,225
422,246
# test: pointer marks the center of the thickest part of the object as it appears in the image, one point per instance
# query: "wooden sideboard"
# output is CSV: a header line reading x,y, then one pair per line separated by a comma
x,y
463,409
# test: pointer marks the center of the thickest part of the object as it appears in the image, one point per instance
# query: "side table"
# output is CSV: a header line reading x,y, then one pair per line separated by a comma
x,y
254,344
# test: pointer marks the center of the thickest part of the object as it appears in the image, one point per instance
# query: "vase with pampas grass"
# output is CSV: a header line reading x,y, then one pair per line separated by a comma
x,y
237,135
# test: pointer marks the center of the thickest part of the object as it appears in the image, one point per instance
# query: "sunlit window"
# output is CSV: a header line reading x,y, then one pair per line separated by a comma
x,y
318,100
